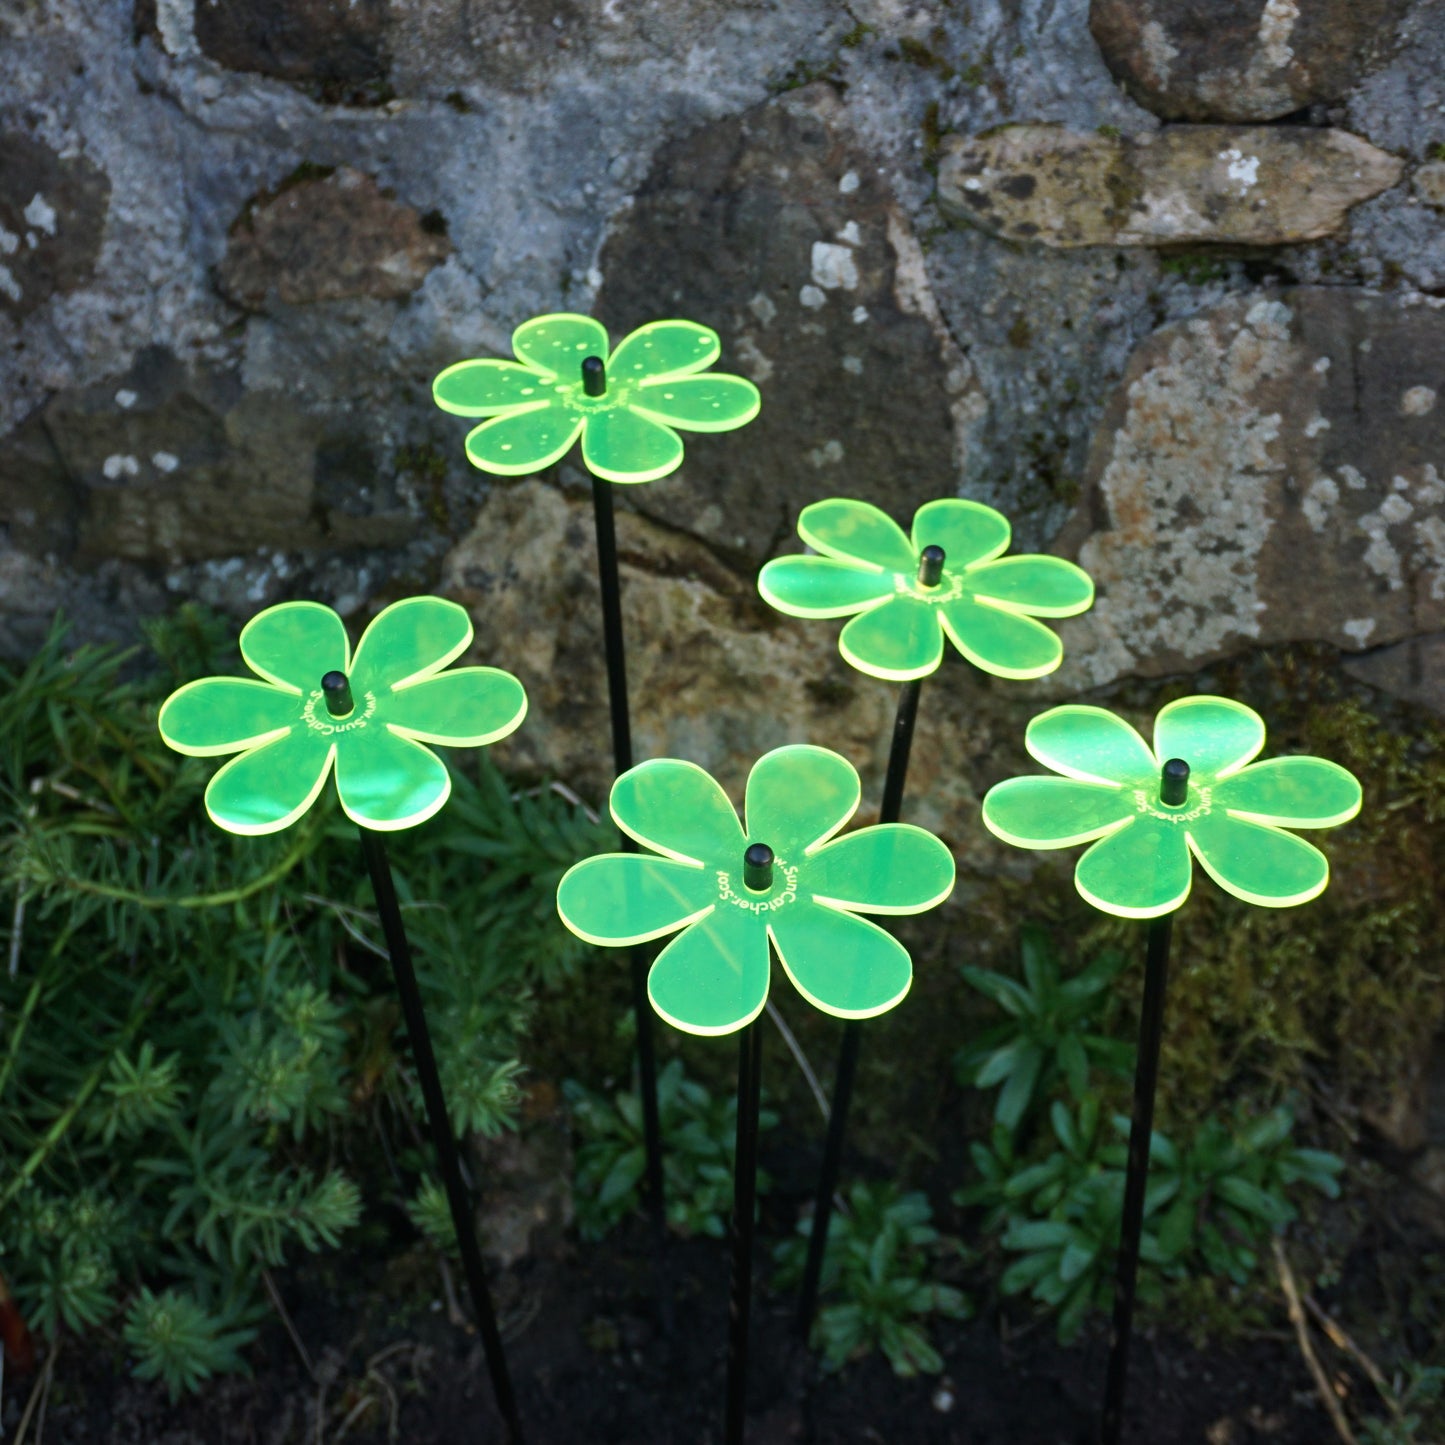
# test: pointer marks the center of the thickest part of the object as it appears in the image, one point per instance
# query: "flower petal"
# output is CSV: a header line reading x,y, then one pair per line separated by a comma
x,y
468,707
522,442
1142,870
1298,792
712,403
486,387
1006,644
887,868
663,348
799,796
821,586
386,781
295,645
624,446
217,715
269,788
968,532
713,978
1257,863
898,641
1091,744
559,343
621,898
841,964
1041,586
407,641
1216,736
677,808
840,527
1053,812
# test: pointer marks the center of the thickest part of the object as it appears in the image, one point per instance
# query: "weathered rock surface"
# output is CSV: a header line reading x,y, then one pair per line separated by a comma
x,y
1186,184
167,464
1267,472
326,238
1430,184
52,219
336,48
776,230
715,675
1240,59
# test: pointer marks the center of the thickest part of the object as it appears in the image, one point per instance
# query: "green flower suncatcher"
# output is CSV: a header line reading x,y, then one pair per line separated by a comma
x,y
713,977
1232,817
284,728
905,595
627,406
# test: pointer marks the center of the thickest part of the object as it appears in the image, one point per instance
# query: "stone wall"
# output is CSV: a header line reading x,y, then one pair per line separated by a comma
x,y
1166,292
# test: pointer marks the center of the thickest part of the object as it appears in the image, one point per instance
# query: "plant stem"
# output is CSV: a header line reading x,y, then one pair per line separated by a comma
x,y
852,1033
443,1140
615,649
1146,1078
745,1175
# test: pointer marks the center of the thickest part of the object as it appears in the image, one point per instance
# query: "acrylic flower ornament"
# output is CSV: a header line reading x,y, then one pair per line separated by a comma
x,y
627,407
713,977
951,579
1231,817
390,698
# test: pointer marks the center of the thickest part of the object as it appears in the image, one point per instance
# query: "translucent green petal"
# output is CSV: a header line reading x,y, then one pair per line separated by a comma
x,y
821,586
270,788
713,979
409,640
1006,644
1040,586
797,797
663,348
1214,735
1091,744
522,442
387,782
858,530
898,641
968,532
677,808
1257,863
843,965
295,645
1297,792
623,898
711,403
224,715
558,344
624,446
466,708
1141,871
1054,812
888,868
484,388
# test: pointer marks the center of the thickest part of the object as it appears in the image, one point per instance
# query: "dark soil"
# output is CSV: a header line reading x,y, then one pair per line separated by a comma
x,y
591,1365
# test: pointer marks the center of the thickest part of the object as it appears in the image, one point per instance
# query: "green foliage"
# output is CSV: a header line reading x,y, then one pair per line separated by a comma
x,y
211,1018
875,1291
432,1215
1047,1035
1419,1387
698,1136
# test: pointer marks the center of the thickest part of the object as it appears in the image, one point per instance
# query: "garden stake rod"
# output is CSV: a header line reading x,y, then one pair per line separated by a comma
x,y
338,700
1173,790
594,380
930,573
745,1172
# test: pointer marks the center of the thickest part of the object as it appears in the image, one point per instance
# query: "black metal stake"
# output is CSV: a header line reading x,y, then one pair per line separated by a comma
x,y
745,1175
594,380
443,1140
930,574
1173,791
